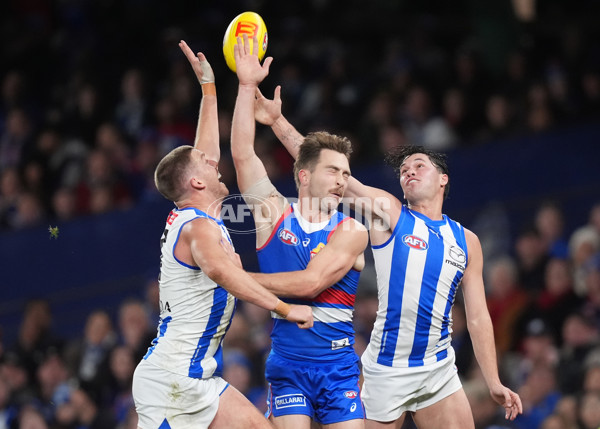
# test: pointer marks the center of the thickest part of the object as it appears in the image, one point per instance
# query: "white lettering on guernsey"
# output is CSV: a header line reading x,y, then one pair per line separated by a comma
x,y
286,401
339,344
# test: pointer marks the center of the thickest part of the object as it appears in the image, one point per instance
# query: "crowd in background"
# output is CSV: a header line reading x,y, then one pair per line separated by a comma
x,y
94,93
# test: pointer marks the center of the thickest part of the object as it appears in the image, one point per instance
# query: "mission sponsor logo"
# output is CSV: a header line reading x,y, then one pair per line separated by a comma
x,y
414,242
288,237
286,401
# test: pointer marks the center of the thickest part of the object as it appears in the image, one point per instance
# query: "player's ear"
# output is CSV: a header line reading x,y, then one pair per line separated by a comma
x,y
197,183
444,180
304,176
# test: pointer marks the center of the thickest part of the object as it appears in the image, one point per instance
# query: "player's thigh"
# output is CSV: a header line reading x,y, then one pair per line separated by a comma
x,y
348,424
293,421
452,412
236,412
395,424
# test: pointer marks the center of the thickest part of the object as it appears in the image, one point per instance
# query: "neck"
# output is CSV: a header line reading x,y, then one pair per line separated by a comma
x,y
310,209
432,210
212,208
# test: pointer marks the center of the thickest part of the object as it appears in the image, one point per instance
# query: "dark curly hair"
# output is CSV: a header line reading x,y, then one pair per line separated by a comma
x,y
396,157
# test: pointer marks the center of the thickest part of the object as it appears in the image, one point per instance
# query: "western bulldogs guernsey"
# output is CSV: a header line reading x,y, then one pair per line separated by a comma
x,y
418,272
195,311
292,244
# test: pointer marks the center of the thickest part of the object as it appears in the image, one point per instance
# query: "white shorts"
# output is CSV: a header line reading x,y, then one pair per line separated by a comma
x,y
388,392
182,402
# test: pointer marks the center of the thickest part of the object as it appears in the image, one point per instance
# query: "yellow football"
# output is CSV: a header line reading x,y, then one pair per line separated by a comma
x,y
251,24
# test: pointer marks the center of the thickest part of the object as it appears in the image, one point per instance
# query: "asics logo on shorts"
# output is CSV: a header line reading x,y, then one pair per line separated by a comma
x,y
286,401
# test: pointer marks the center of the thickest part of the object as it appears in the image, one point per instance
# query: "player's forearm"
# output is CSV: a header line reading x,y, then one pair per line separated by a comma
x,y
240,284
243,124
482,337
207,130
291,284
288,135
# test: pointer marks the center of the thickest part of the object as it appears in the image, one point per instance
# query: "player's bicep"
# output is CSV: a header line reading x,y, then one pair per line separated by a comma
x,y
472,282
206,245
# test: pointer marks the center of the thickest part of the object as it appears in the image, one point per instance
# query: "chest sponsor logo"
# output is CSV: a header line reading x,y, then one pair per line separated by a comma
x,y
316,250
288,237
351,394
414,242
286,401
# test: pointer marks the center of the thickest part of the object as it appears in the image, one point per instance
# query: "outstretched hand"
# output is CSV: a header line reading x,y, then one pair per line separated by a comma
x,y
248,68
267,111
199,63
509,400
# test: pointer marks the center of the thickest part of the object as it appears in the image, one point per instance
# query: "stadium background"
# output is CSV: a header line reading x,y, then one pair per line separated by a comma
x,y
348,67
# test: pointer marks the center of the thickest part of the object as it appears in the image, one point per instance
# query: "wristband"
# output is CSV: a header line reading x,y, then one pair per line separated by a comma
x,y
282,309
209,88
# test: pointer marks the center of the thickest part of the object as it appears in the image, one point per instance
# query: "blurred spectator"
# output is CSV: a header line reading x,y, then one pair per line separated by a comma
x,y
537,349
122,365
531,261
421,125
54,386
103,187
10,191
64,204
506,301
549,221
499,119
557,300
589,410
584,243
580,336
539,395
88,356
135,330
15,139
8,410
31,418
132,109
83,410
35,335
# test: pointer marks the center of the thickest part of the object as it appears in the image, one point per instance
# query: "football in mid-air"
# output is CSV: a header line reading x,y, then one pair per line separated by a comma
x,y
251,24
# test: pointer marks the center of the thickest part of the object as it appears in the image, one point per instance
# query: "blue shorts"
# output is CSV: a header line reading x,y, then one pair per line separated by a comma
x,y
326,392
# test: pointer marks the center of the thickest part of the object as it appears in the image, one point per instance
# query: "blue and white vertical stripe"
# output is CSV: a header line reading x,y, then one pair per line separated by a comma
x,y
195,311
418,272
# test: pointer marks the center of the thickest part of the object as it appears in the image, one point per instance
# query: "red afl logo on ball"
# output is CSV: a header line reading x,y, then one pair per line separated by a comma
x,y
288,237
350,394
415,242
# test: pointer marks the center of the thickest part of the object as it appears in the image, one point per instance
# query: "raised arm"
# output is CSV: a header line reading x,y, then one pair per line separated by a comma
x,y
207,130
207,250
249,168
481,331
343,252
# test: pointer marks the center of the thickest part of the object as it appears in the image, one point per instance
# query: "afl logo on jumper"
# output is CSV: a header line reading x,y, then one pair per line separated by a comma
x,y
414,242
350,394
288,237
